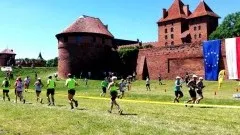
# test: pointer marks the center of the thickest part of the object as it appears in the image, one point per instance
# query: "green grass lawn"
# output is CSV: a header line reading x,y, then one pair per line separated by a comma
x,y
91,117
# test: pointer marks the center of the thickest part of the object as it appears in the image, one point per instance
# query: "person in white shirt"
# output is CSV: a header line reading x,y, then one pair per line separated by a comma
x,y
148,84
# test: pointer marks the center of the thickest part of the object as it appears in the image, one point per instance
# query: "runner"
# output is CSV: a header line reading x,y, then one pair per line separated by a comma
x,y
38,87
160,80
186,78
178,92
50,90
200,87
86,81
71,84
113,87
148,84
104,85
19,89
122,86
129,83
26,83
192,84
6,85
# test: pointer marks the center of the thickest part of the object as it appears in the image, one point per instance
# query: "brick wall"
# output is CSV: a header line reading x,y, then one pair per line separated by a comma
x,y
171,62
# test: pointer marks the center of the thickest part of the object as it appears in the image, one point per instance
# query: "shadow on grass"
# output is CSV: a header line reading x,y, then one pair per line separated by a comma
x,y
129,114
81,109
60,105
206,107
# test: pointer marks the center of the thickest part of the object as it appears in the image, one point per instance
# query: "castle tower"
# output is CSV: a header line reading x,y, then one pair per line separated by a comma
x,y
173,25
202,22
84,47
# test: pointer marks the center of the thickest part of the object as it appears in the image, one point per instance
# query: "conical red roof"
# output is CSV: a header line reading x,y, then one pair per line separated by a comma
x,y
203,10
7,51
87,24
175,11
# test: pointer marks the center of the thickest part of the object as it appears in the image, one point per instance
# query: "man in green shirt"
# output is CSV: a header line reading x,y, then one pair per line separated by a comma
x,y
6,85
104,85
50,90
71,84
114,87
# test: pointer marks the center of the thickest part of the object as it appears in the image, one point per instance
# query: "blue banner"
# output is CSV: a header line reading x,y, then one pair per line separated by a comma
x,y
211,54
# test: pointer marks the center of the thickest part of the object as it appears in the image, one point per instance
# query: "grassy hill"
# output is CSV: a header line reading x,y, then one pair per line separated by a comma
x,y
145,112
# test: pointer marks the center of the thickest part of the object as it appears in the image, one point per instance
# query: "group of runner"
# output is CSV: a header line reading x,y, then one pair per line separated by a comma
x,y
195,86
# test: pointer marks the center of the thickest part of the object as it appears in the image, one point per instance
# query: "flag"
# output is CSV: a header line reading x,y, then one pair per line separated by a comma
x,y
211,53
232,46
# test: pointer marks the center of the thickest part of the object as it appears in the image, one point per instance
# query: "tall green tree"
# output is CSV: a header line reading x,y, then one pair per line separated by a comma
x,y
230,27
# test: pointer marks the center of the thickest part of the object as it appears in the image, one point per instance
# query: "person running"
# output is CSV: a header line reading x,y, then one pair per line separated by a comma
x,y
50,90
86,81
148,84
6,85
178,92
187,78
104,85
56,76
200,87
26,83
38,87
160,79
71,84
129,85
113,87
192,84
122,86
19,89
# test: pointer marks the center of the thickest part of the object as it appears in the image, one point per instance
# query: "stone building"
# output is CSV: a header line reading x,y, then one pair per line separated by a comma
x,y
87,46
179,46
7,57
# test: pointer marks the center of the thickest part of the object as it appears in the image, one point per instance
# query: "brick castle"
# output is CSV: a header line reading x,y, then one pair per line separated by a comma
x,y
179,46
87,45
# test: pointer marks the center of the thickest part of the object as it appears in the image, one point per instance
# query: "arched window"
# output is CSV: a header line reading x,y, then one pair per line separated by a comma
x,y
166,37
172,36
199,27
166,43
195,28
165,30
195,36
171,29
172,43
200,35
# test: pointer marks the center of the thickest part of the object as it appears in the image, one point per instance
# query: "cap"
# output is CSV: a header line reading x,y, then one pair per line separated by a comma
x,y
194,76
114,78
200,78
39,78
178,77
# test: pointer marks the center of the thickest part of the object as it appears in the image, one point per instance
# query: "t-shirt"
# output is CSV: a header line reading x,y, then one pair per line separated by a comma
x,y
177,85
192,84
38,86
70,83
6,85
19,86
147,81
27,80
122,85
114,87
104,84
200,85
51,84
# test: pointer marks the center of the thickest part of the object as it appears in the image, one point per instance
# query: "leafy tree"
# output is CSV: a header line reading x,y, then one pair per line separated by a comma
x,y
52,62
230,27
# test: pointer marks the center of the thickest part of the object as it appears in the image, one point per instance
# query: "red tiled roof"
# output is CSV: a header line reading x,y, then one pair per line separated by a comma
x,y
7,51
175,11
87,24
203,10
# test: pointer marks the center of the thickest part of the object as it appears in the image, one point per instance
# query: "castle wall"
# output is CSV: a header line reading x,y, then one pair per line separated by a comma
x,y
83,53
175,61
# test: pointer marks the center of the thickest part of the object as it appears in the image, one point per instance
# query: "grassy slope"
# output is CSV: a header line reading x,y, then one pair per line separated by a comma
x,y
140,118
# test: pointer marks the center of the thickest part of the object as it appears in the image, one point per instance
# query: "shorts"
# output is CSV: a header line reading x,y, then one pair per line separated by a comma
x,y
199,93
114,95
72,92
5,91
38,92
26,85
19,93
50,91
104,89
147,85
192,93
178,93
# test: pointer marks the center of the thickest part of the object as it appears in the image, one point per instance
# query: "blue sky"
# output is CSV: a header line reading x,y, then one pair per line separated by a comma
x,y
30,26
